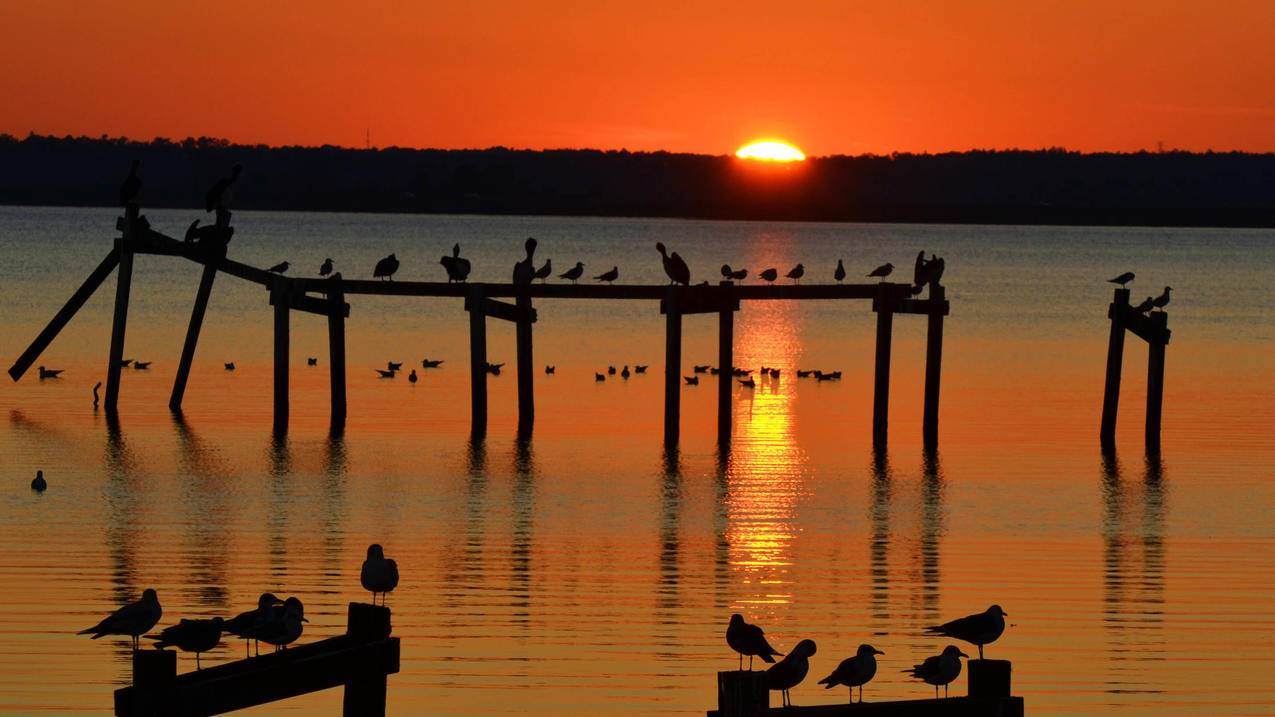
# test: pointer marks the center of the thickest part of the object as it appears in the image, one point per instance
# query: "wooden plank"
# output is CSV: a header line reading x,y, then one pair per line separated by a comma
x,y
1155,383
336,350
282,308
526,371
933,370
192,335
1115,363
930,306
609,291
698,302
65,314
672,368
503,311
476,305
1144,326
881,384
119,321
316,305
725,378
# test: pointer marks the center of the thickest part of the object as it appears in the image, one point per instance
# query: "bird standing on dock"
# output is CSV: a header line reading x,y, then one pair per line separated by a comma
x,y
882,271
457,268
283,625
325,268
574,273
279,268
979,629
525,270
244,623
195,636
1123,279
854,671
1145,306
840,274
50,372
543,272
1162,300
674,266
796,273
610,276
412,376
769,275
132,184
748,640
940,669
131,620
221,193
379,573
386,268
790,671
38,484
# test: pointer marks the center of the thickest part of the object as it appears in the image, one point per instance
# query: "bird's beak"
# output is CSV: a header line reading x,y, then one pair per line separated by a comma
x,y
962,654
304,620
1004,614
878,652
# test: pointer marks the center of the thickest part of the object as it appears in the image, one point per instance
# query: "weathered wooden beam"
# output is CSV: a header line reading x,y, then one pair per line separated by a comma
x,y
944,707
1115,363
672,367
699,302
933,369
279,298
1155,382
930,306
119,321
336,349
476,305
315,305
725,377
192,334
881,384
1144,326
616,291
526,370
65,314
502,310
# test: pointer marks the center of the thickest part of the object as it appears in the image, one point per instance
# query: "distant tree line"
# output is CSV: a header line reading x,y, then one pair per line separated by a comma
x,y
1052,186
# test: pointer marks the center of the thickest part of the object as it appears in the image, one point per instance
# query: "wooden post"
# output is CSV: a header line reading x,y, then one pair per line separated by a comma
x,y
1115,360
989,678
123,283
526,372
672,367
725,362
881,387
280,291
742,693
192,330
336,350
477,361
933,370
1155,379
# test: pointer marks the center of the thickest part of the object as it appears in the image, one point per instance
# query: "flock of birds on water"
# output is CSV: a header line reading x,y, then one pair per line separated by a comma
x,y
938,670
276,622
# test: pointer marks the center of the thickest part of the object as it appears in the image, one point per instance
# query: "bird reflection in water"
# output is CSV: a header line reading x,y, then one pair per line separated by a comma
x,y
879,542
335,471
932,513
523,496
668,635
277,503
206,524
125,513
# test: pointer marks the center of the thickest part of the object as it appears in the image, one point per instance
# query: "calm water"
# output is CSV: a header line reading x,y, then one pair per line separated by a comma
x,y
584,572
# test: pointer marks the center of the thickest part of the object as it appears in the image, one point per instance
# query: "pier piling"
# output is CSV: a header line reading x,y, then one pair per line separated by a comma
x,y
1155,380
1115,363
192,330
672,367
933,368
119,322
526,372
336,350
725,362
475,305
280,297
884,306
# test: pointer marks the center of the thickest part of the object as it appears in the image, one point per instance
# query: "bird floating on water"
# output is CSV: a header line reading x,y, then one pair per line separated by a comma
x,y
550,369
796,273
1162,300
750,640
854,671
674,266
312,361
747,382
50,372
979,629
640,368
412,376
599,377
882,271
611,370
610,276
379,573
386,268
494,368
394,365
279,268
940,669
132,184
525,270
132,620
804,373
625,373
1123,279
574,273
457,267
325,268
691,380
38,484
769,275
142,365
244,623
230,365
790,671
431,363
124,363
701,368
383,373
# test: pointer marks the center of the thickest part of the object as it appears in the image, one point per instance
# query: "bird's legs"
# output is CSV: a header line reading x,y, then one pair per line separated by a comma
x,y
197,667
741,662
936,692
750,663
944,691
980,652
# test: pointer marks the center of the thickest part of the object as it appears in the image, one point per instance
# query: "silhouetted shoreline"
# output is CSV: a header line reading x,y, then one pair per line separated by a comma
x,y
979,187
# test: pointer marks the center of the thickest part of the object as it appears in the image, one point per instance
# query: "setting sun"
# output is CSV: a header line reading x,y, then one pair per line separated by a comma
x,y
771,151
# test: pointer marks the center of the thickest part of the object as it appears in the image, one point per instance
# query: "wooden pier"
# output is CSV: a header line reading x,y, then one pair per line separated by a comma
x,y
359,661
1154,329
328,297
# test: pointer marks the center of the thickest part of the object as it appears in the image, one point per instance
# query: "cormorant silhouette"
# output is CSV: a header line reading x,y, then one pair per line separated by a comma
x,y
457,267
674,266
386,268
222,192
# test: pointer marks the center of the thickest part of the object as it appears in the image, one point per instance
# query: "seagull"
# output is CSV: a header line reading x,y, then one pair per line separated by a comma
x,y
733,274
431,363
769,275
124,363
1162,300
611,370
282,626
456,266
394,365
191,636
979,629
379,573
747,382
691,380
312,361
840,274
774,373
796,273
38,484
790,671
132,185
1123,279
386,374
220,194
882,271
599,377
625,373
412,376
940,669
639,368
574,273
244,623
713,370
701,369
278,268
230,365
610,276
494,368
525,271
385,268
676,269
543,272
550,369
804,374
50,372
142,365
1145,306
133,619
854,671
748,640
325,268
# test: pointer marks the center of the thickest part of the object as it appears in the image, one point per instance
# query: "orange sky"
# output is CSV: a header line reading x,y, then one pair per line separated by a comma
x,y
832,76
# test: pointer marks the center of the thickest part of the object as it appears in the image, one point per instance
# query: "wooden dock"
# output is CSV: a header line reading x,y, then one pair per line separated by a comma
x,y
1154,329
328,297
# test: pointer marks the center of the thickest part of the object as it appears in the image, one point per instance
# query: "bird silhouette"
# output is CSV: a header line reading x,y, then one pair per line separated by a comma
x,y
640,368
769,275
750,640
312,361
131,620
494,368
611,370
142,365
796,273
279,268
38,484
379,573
457,267
790,671
1162,300
701,368
610,276
840,274
932,272
691,380
50,372
940,669
195,636
1123,279
918,270
244,623
1145,306
123,363
774,373
550,369
431,363
599,377
674,266
574,273
386,268
747,382
230,365
625,373
734,274
385,374
804,373
979,629
325,268
394,365
854,671
132,184
525,270
282,626
412,376
882,271
543,272
222,192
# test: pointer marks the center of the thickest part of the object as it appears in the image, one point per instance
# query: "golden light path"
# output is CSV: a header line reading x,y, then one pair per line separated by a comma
x,y
771,151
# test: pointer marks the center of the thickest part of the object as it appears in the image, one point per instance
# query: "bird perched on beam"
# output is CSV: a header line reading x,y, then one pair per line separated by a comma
x,y
195,636
456,266
1123,279
574,273
940,669
525,270
790,671
325,268
749,640
386,268
610,276
674,266
131,620
980,629
734,274
1162,300
1145,306
132,185
769,275
379,573
279,268
796,273
244,623
882,271
854,671
222,192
